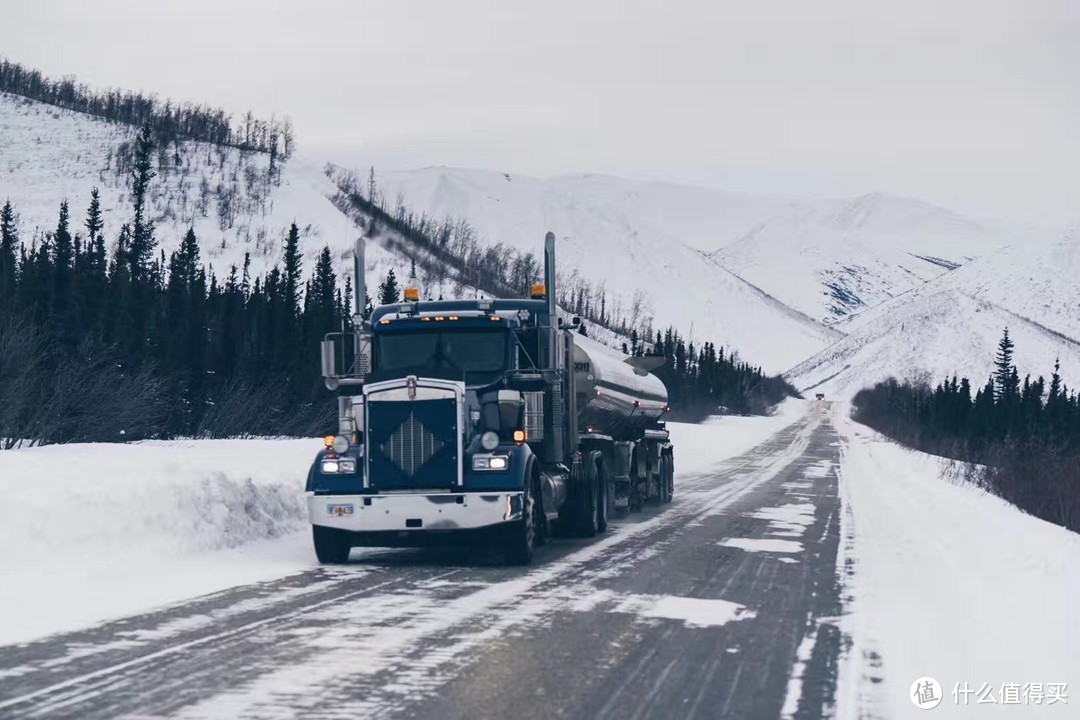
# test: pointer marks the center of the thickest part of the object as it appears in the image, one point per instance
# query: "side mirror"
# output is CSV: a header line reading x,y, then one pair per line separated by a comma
x,y
328,366
346,359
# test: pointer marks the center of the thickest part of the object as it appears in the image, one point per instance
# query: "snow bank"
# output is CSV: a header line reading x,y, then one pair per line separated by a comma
x,y
124,527
701,446
948,582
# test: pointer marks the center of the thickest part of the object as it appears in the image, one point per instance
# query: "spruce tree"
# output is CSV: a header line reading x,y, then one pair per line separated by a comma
x,y
245,280
94,222
388,291
1003,365
63,261
1055,383
142,244
9,241
293,263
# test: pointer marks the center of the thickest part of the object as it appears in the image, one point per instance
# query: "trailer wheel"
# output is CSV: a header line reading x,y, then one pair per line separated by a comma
x,y
521,535
332,546
635,499
665,479
670,466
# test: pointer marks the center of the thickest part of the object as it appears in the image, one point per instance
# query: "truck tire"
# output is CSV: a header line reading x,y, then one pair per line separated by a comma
x,y
588,515
521,534
670,465
664,482
332,546
636,501
657,482
602,499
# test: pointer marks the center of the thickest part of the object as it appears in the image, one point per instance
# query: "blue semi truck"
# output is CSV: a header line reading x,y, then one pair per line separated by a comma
x,y
488,421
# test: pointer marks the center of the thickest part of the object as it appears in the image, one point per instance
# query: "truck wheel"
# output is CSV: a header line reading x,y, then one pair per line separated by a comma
x,y
637,504
602,498
589,517
662,481
521,540
670,465
332,546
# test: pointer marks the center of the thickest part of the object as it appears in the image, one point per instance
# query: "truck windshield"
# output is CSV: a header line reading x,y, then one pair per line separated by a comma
x,y
458,351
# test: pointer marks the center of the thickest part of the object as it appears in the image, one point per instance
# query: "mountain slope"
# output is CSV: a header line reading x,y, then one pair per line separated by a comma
x,y
806,264
229,197
617,232
842,257
953,323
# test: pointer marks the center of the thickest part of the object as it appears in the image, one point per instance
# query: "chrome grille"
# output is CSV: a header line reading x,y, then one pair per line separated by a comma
x,y
411,445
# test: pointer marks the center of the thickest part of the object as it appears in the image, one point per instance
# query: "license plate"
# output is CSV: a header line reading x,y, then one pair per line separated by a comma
x,y
339,510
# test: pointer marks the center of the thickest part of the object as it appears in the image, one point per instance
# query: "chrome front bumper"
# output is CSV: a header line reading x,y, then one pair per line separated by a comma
x,y
414,512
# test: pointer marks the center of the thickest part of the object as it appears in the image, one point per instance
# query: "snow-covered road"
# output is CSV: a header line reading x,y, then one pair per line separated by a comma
x,y
722,604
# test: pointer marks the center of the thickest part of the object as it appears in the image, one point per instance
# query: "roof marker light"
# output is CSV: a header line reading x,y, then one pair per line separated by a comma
x,y
384,321
412,294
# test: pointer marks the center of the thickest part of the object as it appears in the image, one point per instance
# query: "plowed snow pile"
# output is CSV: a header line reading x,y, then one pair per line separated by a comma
x,y
95,531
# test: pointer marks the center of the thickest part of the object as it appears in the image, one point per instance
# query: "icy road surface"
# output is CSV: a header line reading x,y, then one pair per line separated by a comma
x,y
720,605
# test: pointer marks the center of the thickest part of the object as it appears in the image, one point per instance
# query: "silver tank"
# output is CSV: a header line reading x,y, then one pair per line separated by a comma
x,y
614,398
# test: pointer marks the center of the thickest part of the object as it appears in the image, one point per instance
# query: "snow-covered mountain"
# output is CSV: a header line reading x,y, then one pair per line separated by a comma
x,y
766,275
637,238
953,323
852,289
48,154
841,257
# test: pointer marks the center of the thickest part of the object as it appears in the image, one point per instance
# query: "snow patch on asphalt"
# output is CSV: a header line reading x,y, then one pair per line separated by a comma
x,y
789,520
795,681
694,612
764,545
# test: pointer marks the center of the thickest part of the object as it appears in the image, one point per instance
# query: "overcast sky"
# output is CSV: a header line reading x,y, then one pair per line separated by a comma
x,y
974,104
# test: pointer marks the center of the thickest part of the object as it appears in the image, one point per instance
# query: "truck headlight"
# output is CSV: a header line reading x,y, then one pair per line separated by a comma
x,y
341,444
490,462
489,440
338,466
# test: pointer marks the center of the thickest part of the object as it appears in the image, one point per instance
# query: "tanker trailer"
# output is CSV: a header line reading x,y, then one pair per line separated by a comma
x,y
620,401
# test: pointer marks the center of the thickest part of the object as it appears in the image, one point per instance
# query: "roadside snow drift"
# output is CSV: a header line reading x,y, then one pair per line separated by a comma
x,y
95,531
945,581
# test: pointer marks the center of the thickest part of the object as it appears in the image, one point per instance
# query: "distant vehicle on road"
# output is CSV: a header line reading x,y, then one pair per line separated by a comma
x,y
820,396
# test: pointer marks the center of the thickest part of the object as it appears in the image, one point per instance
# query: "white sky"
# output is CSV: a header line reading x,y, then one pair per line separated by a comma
x,y
974,104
